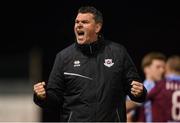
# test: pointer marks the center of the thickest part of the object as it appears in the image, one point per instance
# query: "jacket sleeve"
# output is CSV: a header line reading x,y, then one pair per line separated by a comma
x,y
130,74
55,87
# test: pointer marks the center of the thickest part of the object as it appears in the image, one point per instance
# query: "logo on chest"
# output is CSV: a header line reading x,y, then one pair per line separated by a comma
x,y
108,62
77,63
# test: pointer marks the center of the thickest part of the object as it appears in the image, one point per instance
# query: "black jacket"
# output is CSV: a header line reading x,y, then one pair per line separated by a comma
x,y
90,82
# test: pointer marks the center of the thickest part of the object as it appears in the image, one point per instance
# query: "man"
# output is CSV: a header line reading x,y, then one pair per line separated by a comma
x,y
90,79
153,66
165,96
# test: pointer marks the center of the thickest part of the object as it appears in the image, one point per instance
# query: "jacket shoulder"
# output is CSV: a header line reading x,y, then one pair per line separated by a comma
x,y
68,51
115,46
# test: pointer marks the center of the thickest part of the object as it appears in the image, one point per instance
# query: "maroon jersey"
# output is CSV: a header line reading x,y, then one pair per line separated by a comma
x,y
165,98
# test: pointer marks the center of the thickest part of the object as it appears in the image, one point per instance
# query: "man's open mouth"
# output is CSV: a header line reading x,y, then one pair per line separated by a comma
x,y
80,33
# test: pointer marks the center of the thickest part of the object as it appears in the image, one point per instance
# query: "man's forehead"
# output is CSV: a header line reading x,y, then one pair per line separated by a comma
x,y
158,61
85,16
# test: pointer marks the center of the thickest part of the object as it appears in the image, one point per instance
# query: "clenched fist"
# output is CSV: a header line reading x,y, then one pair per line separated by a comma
x,y
137,88
39,90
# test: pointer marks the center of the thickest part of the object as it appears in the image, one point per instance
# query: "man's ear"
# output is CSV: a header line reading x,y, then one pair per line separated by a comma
x,y
98,27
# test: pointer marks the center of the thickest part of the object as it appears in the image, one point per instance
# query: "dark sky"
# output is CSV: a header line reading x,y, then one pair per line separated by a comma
x,y
141,26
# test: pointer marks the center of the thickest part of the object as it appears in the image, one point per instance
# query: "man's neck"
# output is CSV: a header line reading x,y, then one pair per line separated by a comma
x,y
149,79
93,40
173,73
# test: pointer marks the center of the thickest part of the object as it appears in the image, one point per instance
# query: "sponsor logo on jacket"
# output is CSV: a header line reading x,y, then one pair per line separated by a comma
x,y
77,63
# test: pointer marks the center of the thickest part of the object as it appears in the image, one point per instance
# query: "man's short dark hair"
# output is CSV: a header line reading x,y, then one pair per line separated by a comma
x,y
89,9
148,58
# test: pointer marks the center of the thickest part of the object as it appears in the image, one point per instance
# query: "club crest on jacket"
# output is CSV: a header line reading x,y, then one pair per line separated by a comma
x,y
108,62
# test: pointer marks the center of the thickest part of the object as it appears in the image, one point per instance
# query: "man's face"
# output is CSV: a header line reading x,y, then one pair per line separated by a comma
x,y
156,70
86,28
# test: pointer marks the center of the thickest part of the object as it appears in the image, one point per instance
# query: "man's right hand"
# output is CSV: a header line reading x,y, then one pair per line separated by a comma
x,y
39,90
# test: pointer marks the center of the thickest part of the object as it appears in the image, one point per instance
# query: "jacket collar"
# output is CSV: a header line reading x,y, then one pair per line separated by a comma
x,y
92,48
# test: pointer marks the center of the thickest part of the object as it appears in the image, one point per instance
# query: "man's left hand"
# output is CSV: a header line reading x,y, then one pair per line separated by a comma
x,y
137,88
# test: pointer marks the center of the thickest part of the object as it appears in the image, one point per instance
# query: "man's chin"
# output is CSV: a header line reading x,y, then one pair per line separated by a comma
x,y
81,41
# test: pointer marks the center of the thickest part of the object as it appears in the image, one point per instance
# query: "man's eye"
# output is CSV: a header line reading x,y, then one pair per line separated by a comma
x,y
85,22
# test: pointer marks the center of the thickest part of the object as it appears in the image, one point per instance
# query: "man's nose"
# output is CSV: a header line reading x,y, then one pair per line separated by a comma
x,y
162,69
80,24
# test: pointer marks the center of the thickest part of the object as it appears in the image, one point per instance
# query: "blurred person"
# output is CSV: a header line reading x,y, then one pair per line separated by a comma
x,y
91,78
165,96
153,66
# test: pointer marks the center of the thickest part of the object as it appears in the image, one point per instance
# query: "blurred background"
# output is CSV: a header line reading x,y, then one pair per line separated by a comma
x,y
33,32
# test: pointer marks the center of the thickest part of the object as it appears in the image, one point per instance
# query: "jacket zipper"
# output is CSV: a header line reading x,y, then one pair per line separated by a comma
x,y
117,114
94,60
90,49
70,115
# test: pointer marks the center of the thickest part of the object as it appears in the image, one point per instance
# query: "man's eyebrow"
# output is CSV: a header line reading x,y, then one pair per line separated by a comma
x,y
76,20
81,20
85,20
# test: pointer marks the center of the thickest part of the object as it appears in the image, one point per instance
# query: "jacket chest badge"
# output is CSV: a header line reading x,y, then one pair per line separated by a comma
x,y
108,62
77,63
